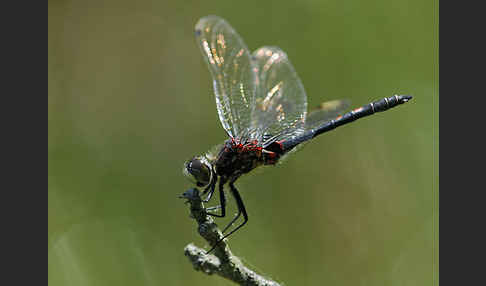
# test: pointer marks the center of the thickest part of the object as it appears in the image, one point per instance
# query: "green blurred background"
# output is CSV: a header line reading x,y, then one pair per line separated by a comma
x,y
130,99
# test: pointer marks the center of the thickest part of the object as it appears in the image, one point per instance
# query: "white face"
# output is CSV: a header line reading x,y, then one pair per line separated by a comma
x,y
198,171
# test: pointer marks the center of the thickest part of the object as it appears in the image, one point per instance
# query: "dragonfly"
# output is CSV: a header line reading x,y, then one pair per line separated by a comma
x,y
262,106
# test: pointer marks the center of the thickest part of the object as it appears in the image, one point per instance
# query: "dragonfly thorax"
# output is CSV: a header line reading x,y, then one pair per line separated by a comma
x,y
235,158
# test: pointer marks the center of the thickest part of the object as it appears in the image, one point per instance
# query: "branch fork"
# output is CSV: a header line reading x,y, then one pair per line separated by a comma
x,y
223,262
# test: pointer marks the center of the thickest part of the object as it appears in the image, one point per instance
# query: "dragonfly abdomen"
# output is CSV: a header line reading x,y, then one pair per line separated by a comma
x,y
369,109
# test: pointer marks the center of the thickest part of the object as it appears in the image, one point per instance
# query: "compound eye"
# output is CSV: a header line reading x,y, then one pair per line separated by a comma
x,y
200,171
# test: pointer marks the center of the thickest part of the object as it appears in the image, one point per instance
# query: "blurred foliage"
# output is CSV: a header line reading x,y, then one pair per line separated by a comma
x,y
130,99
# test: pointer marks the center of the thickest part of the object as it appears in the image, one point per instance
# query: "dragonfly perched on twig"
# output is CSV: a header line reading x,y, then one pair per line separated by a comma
x,y
262,106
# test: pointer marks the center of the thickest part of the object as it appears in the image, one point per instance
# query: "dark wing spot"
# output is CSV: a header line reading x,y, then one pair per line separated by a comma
x,y
198,32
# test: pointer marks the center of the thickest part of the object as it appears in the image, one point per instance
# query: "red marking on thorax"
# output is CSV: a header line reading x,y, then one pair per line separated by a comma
x,y
246,147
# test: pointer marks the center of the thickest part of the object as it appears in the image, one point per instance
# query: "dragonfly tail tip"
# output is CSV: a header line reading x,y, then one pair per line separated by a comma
x,y
405,98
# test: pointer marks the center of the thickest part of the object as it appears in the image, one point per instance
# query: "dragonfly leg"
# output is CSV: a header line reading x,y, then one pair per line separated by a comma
x,y
210,188
241,210
222,200
210,209
211,192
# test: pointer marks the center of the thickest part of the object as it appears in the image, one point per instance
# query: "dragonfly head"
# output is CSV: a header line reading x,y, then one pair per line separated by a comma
x,y
198,170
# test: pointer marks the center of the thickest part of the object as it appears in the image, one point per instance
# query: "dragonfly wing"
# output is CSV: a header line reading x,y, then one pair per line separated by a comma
x,y
281,102
325,112
228,60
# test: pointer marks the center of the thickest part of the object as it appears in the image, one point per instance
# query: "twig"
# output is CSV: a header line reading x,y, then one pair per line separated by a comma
x,y
223,262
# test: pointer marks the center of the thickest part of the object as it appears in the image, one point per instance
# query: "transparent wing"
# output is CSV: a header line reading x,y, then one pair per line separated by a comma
x,y
322,114
228,59
281,102
325,112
